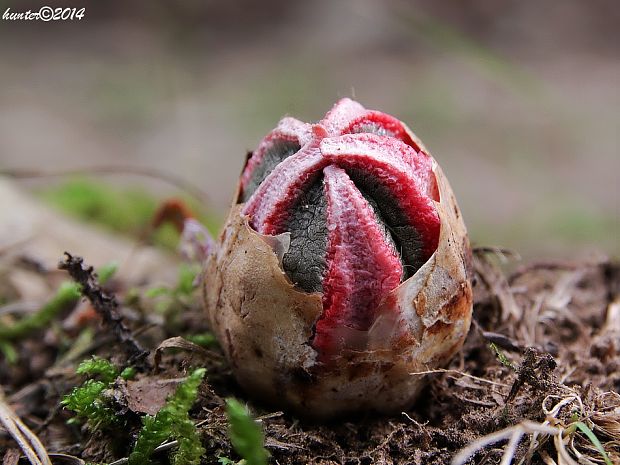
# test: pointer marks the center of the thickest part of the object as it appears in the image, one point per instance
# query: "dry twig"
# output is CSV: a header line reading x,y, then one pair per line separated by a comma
x,y
104,304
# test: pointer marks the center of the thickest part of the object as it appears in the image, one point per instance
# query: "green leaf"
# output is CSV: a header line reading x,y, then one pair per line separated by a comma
x,y
246,435
594,440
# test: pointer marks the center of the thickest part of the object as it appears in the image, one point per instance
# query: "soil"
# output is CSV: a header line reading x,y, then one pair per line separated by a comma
x,y
542,334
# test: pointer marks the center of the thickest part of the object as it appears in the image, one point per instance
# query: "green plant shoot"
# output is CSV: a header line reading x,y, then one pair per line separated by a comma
x,y
502,357
593,439
66,296
245,434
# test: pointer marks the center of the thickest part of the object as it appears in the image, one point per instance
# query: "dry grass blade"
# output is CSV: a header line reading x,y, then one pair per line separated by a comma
x,y
64,459
513,434
547,458
563,437
494,279
564,457
551,414
503,254
608,423
561,294
459,373
27,441
612,320
583,458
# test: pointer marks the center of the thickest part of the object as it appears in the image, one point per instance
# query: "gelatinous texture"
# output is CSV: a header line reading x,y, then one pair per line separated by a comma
x,y
355,191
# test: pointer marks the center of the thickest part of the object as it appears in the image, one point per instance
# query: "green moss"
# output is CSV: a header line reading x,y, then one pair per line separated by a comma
x,y
128,211
66,297
172,421
128,373
88,400
88,403
10,353
98,367
107,272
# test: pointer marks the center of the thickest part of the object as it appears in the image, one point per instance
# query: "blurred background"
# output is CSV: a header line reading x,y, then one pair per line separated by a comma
x,y
517,100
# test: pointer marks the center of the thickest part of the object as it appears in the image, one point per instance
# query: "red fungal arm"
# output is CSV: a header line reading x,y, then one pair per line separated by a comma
x,y
341,116
363,188
362,267
387,124
289,129
396,166
269,206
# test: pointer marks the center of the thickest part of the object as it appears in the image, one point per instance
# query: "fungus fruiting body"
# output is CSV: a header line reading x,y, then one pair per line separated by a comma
x,y
343,267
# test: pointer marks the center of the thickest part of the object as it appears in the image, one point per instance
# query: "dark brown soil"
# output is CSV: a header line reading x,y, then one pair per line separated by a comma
x,y
555,329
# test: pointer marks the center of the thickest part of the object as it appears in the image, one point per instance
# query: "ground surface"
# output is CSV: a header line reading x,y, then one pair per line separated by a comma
x,y
555,326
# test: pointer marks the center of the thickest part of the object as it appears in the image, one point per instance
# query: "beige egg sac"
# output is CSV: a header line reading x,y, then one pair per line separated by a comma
x,y
343,268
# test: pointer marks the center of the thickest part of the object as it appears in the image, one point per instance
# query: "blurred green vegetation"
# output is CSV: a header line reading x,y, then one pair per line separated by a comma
x,y
515,105
551,227
129,211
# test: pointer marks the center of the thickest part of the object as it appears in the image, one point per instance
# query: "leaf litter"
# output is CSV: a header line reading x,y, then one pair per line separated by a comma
x,y
537,381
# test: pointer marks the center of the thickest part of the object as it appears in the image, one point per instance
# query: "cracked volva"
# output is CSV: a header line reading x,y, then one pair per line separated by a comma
x,y
344,266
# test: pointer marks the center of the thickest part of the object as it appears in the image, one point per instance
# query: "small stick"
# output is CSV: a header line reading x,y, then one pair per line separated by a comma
x,y
104,304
